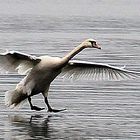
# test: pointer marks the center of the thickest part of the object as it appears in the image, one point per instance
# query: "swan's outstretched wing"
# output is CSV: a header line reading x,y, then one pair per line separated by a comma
x,y
96,71
11,61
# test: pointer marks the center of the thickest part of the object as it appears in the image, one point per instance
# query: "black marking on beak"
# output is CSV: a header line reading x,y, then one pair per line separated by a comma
x,y
92,43
95,45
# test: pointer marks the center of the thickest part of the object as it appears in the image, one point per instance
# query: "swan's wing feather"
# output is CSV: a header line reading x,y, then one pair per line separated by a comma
x,y
95,71
12,61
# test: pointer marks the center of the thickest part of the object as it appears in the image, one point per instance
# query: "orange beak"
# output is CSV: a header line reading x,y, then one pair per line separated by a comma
x,y
97,46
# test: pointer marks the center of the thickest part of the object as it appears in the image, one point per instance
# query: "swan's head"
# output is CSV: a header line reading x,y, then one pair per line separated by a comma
x,y
90,43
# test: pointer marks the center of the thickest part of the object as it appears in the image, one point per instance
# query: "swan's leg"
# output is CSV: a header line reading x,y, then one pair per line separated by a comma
x,y
49,107
34,107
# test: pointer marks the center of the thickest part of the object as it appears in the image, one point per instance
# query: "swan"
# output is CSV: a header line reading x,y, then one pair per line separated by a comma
x,y
41,71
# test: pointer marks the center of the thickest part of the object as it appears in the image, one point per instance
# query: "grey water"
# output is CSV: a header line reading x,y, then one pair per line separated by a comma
x,y
95,110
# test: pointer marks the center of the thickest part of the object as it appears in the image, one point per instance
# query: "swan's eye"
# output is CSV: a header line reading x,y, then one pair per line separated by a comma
x,y
93,43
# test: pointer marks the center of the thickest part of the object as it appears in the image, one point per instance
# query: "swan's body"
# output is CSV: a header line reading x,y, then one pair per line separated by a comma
x,y
42,75
41,71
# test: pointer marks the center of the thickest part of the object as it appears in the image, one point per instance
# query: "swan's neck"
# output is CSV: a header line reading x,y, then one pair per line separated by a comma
x,y
71,54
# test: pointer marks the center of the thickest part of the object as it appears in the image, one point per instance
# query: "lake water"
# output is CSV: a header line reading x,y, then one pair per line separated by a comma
x,y
95,110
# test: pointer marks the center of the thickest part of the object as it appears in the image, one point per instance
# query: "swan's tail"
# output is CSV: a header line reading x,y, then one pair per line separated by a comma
x,y
14,98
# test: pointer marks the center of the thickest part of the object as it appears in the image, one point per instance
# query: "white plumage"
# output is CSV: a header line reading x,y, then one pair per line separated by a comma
x,y
41,71
78,70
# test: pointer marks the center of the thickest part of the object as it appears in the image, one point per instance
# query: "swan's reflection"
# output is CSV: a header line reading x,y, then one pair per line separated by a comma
x,y
35,126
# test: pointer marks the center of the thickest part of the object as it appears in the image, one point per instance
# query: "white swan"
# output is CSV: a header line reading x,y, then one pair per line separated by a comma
x,y
41,71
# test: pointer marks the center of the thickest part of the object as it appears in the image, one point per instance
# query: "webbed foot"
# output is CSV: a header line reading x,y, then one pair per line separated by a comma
x,y
36,108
